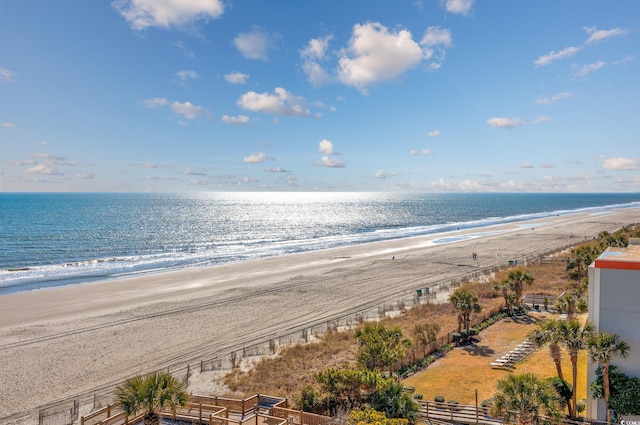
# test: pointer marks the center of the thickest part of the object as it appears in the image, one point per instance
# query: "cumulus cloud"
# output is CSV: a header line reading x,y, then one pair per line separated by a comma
x,y
326,147
141,14
526,165
426,152
503,122
276,170
620,163
281,102
329,162
8,125
383,175
239,120
311,55
255,44
236,78
255,158
414,152
154,101
434,133
7,76
585,70
187,109
376,54
599,35
554,98
461,7
554,56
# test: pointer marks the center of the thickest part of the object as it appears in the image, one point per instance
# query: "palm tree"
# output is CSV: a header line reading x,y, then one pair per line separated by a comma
x,y
466,302
574,337
151,393
570,304
547,334
517,278
504,287
602,348
525,399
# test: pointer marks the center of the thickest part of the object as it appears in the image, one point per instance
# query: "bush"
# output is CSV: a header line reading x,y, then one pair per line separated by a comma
x,y
456,337
417,396
439,399
486,403
453,402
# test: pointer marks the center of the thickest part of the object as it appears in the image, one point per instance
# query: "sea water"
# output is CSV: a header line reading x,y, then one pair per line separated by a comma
x,y
52,239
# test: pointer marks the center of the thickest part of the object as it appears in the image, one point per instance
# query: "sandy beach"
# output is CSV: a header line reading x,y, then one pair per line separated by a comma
x,y
67,343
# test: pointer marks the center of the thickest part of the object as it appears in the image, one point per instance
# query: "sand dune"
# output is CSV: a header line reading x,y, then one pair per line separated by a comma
x,y
67,343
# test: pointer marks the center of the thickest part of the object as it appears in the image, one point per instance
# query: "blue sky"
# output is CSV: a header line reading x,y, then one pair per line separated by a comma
x,y
362,95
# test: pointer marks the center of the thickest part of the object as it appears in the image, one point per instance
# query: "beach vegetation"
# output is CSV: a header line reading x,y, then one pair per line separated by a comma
x,y
623,392
151,393
574,336
517,278
571,304
380,346
525,399
602,348
466,303
370,416
425,334
548,333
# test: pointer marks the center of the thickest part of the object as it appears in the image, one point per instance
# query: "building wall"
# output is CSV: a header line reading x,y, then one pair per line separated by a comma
x,y
614,307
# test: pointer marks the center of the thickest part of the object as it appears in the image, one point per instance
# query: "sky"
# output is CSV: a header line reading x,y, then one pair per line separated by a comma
x,y
357,95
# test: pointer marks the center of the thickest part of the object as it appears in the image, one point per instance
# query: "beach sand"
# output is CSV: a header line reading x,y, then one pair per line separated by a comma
x,y
69,343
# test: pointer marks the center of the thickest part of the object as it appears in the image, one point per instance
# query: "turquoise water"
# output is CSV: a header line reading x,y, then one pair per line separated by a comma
x,y
58,239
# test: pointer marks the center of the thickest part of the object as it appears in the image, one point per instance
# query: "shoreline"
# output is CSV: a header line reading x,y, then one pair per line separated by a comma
x,y
66,342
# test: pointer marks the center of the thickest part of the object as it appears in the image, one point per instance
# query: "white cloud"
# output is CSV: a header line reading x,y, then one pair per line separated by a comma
x,y
554,56
554,98
87,175
436,36
503,122
584,70
154,101
276,170
316,51
8,125
236,78
44,169
414,152
434,133
254,44
620,163
141,14
316,48
7,76
375,54
255,158
426,152
599,35
186,109
526,165
239,120
188,172
546,165
382,175
542,119
326,161
281,102
325,147
184,76
43,142
461,7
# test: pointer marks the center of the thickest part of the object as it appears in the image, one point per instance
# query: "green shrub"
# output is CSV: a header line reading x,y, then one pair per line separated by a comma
x,y
439,399
417,396
486,403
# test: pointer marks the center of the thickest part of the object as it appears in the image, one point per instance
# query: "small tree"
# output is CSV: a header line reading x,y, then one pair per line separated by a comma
x,y
466,303
151,393
571,304
380,347
574,337
517,278
547,333
504,286
369,416
624,392
524,399
602,347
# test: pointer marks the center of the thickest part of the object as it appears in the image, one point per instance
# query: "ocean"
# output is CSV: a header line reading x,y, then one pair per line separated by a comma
x,y
57,239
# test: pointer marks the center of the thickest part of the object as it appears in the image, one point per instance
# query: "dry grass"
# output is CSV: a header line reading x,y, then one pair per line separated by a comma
x,y
457,375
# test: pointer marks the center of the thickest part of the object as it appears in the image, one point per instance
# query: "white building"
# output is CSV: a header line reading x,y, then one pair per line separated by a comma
x,y
614,307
